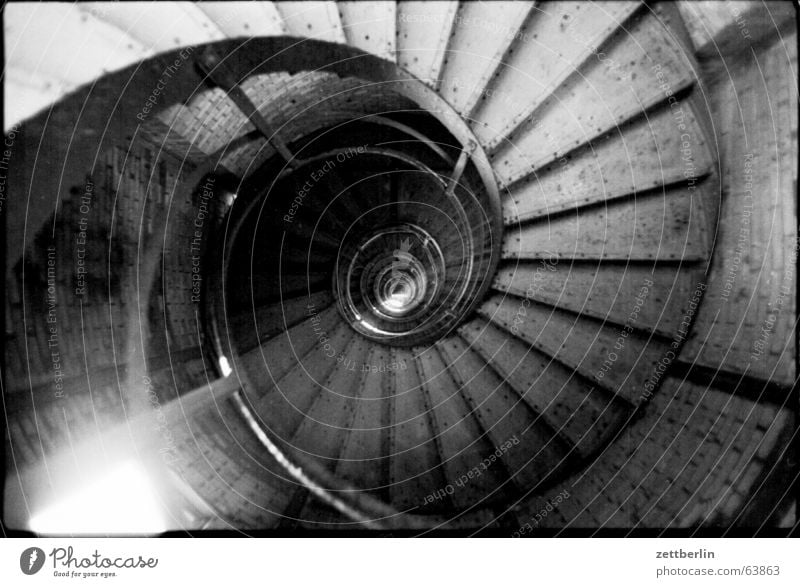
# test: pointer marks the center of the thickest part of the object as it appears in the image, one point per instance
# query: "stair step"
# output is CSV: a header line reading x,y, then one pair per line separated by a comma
x,y
651,298
666,225
638,156
370,26
326,423
275,357
477,43
162,27
365,458
303,227
457,435
557,39
269,289
285,404
245,19
265,322
604,354
287,258
314,20
423,30
39,68
640,64
568,403
529,452
414,469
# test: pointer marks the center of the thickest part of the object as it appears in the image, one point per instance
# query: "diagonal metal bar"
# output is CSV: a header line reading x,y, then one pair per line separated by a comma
x,y
458,170
217,71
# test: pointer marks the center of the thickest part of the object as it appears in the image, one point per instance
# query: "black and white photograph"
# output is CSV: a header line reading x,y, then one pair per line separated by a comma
x,y
394,270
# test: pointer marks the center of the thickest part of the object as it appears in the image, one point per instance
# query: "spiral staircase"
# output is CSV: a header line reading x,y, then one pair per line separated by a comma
x,y
380,266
